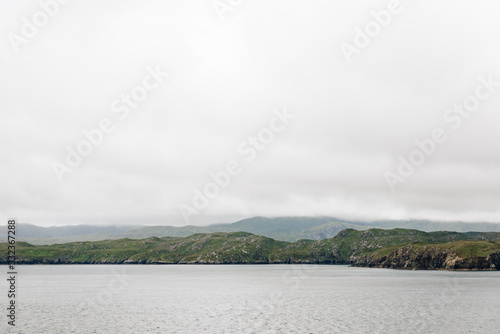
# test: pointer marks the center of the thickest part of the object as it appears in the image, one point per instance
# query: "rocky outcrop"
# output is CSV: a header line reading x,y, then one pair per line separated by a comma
x,y
411,257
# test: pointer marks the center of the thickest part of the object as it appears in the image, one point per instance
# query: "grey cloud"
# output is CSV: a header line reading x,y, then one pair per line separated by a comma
x,y
353,119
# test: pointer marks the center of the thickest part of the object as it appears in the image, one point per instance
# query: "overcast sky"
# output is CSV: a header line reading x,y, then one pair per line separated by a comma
x,y
232,67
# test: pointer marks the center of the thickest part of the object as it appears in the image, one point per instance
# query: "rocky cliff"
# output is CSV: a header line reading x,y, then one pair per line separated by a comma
x,y
479,255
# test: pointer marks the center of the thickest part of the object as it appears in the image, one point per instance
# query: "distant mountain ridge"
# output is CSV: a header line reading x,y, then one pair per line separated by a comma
x,y
60,234
279,228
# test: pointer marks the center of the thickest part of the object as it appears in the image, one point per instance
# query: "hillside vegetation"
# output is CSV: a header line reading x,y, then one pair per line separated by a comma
x,y
397,248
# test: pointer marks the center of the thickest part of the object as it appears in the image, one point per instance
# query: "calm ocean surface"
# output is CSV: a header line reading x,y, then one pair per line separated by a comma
x,y
252,299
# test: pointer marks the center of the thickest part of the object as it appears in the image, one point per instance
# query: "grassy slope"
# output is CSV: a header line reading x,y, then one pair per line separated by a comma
x,y
234,247
370,247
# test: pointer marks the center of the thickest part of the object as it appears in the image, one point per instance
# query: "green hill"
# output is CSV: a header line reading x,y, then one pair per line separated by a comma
x,y
397,248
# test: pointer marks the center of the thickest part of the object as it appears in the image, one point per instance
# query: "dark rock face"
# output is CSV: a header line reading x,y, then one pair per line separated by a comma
x,y
200,261
411,258
495,260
